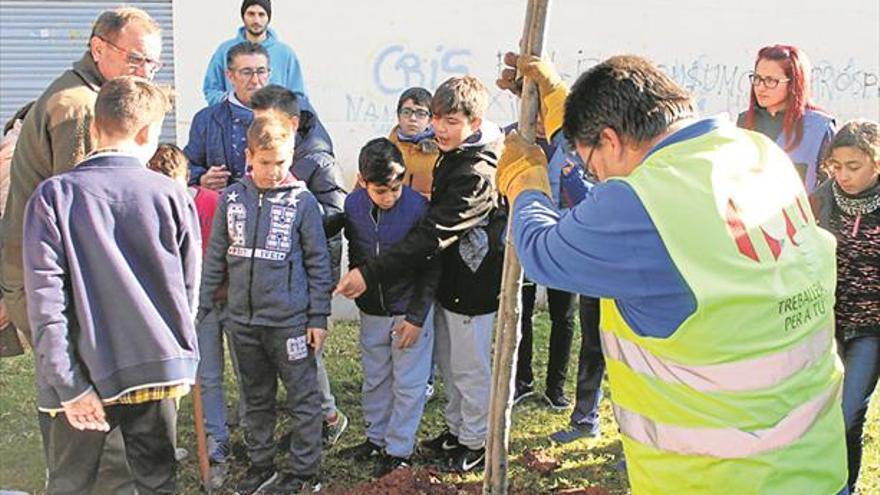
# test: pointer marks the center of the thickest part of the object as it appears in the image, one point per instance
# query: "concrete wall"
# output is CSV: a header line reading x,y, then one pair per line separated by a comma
x,y
358,56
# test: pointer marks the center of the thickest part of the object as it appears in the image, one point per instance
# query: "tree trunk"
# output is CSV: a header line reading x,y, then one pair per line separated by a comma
x,y
509,310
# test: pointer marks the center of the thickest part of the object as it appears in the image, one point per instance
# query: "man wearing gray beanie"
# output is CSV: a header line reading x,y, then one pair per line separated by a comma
x,y
286,71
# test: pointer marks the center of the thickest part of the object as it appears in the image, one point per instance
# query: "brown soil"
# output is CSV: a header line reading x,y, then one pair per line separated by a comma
x,y
411,482
539,461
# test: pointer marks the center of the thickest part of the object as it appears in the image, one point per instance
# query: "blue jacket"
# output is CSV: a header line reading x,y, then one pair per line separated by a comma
x,y
370,232
112,255
218,136
286,70
272,246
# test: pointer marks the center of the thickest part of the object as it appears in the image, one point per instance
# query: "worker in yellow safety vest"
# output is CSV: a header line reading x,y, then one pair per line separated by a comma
x,y
717,285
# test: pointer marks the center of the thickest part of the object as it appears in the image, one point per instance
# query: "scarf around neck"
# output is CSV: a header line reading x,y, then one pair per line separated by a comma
x,y
416,138
863,203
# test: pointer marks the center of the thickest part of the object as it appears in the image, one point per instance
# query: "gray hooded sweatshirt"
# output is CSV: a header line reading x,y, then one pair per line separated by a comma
x,y
272,245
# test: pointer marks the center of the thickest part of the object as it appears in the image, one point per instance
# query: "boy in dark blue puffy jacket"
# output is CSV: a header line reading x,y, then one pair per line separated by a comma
x,y
396,318
268,237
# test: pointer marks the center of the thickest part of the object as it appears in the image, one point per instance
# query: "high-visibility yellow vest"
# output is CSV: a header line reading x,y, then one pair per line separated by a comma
x,y
744,397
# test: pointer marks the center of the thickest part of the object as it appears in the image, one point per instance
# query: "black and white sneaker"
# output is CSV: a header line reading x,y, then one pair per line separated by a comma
x,y
522,391
331,432
389,463
465,459
444,443
286,484
557,402
256,478
362,451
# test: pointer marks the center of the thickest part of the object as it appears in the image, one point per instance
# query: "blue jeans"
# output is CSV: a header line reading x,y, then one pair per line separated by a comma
x,y
591,368
861,359
210,334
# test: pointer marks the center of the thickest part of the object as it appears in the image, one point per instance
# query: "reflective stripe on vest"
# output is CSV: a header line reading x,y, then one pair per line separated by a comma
x,y
749,374
726,443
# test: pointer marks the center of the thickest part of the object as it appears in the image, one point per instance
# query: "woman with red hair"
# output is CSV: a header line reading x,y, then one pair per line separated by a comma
x,y
780,108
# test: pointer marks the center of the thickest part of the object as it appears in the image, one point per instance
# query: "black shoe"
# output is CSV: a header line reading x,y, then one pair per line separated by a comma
x,y
522,391
465,459
389,463
557,402
256,478
286,484
362,451
444,443
331,432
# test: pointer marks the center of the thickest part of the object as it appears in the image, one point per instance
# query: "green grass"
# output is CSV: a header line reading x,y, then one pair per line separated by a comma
x,y
583,463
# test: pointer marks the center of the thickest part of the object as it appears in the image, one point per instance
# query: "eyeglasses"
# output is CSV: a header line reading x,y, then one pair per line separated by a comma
x,y
135,59
768,82
590,158
407,112
260,72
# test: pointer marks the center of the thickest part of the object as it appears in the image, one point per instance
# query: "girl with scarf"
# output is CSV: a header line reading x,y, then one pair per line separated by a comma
x,y
848,205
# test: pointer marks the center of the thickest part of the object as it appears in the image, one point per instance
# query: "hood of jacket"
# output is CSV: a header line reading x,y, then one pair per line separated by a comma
x,y
486,144
312,136
271,37
289,182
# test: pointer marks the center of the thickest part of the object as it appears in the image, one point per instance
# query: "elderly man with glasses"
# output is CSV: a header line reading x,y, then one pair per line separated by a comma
x,y
55,136
218,135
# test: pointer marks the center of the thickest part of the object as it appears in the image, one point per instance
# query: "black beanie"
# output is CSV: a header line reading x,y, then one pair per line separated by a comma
x,y
266,4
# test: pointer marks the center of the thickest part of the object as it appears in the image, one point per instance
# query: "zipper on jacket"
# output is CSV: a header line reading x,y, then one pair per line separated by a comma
x,y
376,230
253,252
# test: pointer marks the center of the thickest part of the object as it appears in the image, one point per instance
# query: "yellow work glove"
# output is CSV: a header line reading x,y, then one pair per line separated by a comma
x,y
550,86
522,167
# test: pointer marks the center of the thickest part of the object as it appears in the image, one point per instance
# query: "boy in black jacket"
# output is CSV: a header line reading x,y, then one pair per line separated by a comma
x,y
463,228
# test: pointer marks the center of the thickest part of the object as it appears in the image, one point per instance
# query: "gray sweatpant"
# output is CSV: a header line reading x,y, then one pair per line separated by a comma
x,y
462,349
264,354
328,400
394,382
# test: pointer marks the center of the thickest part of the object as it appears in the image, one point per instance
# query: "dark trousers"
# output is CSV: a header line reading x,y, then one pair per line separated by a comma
x,y
562,307
149,432
265,354
861,360
591,367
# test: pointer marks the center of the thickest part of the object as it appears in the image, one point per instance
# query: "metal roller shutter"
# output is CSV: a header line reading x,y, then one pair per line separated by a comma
x,y
41,39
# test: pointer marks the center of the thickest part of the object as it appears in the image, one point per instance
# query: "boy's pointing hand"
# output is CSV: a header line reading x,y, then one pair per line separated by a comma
x,y
351,285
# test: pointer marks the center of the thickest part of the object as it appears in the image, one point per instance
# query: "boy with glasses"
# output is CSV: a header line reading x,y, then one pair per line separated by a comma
x,y
414,137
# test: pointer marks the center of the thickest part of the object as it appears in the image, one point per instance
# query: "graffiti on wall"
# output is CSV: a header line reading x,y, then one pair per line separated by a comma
x,y
716,85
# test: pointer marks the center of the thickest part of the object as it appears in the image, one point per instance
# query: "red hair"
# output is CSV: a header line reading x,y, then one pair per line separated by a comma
x,y
797,69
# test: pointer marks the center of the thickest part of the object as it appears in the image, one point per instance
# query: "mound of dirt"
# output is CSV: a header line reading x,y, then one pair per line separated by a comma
x,y
411,482
539,461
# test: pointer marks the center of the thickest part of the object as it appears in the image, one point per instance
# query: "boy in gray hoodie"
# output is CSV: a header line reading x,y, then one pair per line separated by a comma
x,y
268,236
